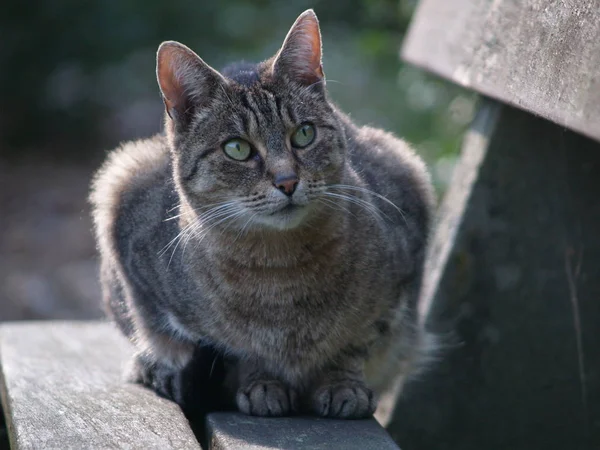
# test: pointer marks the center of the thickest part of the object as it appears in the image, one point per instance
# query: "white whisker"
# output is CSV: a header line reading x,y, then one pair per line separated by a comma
x,y
376,212
335,206
181,233
199,237
173,217
217,211
174,208
370,192
241,233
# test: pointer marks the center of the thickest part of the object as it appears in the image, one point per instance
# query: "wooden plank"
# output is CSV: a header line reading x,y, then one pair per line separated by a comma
x,y
62,387
228,431
515,279
539,55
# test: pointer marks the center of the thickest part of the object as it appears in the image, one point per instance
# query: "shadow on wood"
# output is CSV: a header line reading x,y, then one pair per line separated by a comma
x,y
515,277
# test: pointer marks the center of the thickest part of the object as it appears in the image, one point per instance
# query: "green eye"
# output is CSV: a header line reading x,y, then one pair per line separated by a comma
x,y
237,149
303,135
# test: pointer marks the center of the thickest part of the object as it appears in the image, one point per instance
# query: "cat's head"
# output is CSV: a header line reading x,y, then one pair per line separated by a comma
x,y
258,142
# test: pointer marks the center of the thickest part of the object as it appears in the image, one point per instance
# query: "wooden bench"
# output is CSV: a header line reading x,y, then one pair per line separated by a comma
x,y
514,267
62,387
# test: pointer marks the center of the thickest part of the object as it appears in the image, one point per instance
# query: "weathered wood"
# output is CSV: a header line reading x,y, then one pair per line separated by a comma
x,y
515,275
539,55
227,431
62,387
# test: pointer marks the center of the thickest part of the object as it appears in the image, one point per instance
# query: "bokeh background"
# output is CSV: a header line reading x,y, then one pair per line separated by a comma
x,y
76,78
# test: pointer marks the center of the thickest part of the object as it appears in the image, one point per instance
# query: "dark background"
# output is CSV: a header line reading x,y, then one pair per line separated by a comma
x,y
77,77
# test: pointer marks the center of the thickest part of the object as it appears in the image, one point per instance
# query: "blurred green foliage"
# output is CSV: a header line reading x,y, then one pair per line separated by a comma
x,y
80,74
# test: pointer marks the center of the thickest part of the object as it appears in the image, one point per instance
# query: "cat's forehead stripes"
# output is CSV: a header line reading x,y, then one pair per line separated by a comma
x,y
257,110
249,115
265,118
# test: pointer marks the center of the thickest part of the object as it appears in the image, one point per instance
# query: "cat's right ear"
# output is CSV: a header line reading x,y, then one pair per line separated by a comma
x,y
186,82
299,58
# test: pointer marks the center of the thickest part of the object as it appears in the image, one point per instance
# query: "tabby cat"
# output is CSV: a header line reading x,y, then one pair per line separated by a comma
x,y
267,226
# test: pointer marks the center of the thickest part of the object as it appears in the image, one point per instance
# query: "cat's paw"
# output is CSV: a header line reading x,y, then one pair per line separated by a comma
x,y
344,400
165,381
269,398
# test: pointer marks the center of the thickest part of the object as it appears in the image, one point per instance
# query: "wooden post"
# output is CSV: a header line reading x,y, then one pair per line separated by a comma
x,y
514,283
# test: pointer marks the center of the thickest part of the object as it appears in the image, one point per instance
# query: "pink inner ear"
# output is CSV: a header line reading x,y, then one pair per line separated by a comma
x,y
313,36
300,55
167,71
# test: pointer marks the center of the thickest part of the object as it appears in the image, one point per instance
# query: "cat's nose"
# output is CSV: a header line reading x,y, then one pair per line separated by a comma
x,y
286,184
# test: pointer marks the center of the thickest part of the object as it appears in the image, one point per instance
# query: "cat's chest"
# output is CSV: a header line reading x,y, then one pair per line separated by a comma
x,y
299,309
284,333
286,316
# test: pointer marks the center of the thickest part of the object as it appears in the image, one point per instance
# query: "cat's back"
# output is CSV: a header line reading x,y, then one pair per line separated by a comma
x,y
129,191
388,166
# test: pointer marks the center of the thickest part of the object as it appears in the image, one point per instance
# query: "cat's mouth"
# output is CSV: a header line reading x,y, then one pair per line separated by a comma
x,y
288,209
287,216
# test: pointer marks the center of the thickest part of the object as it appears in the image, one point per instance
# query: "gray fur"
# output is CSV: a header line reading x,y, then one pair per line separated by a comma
x,y
303,300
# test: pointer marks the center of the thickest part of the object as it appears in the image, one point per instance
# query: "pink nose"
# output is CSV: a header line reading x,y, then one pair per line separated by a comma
x,y
286,184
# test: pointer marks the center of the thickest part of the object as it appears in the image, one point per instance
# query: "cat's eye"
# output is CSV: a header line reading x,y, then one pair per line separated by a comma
x,y
303,136
237,149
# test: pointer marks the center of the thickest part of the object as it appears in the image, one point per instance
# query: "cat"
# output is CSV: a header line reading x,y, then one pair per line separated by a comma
x,y
267,226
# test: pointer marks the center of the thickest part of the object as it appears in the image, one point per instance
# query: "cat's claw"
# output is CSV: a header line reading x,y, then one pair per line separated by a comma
x,y
269,398
344,400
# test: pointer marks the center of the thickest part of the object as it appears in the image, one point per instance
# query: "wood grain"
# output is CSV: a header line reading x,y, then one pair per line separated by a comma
x,y
62,387
541,56
227,431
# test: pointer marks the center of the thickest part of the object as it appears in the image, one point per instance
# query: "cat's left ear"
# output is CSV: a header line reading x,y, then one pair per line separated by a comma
x,y
300,56
186,82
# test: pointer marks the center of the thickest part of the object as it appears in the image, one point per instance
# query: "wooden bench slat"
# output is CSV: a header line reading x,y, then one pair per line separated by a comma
x,y
538,55
227,431
62,387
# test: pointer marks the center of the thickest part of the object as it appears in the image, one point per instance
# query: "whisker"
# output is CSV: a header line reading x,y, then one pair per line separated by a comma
x,y
370,192
241,233
174,207
335,206
178,239
199,237
201,208
185,240
203,217
205,226
321,81
166,247
218,204
359,202
209,215
173,217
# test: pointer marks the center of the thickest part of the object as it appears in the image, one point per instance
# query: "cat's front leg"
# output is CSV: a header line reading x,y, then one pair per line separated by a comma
x,y
162,378
262,394
341,392
159,365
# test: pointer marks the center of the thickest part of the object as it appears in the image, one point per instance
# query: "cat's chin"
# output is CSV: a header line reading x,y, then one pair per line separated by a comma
x,y
287,218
